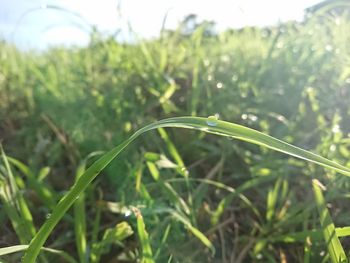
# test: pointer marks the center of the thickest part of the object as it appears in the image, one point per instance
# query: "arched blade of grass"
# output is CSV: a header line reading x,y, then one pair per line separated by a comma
x,y
204,124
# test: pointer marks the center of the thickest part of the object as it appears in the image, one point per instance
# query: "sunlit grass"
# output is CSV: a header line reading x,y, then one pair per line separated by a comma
x,y
211,125
202,198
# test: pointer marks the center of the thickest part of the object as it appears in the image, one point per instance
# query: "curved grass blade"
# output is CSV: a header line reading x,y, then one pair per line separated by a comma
x,y
210,125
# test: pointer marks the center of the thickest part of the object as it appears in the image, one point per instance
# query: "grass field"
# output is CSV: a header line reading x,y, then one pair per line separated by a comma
x,y
175,194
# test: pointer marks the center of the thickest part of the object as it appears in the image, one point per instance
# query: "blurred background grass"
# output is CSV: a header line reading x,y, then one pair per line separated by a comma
x,y
291,81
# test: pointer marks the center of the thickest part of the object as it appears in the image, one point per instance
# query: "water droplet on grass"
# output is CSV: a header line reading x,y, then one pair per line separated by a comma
x,y
219,85
212,120
48,216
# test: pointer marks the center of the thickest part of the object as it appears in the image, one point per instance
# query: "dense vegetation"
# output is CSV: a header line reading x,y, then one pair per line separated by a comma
x,y
59,108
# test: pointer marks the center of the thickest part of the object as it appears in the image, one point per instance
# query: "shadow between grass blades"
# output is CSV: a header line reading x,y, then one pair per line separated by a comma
x,y
210,125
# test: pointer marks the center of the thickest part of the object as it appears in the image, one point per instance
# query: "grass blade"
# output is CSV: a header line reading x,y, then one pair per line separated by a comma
x,y
164,238
44,192
80,220
147,255
15,204
80,215
314,235
335,248
210,125
113,235
19,248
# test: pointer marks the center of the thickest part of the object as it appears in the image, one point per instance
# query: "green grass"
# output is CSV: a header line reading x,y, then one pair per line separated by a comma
x,y
212,125
335,248
202,198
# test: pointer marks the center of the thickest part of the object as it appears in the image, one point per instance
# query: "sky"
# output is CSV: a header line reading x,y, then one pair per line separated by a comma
x,y
39,23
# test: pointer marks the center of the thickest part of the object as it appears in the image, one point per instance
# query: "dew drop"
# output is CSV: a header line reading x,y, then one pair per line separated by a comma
x,y
212,120
48,216
253,118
